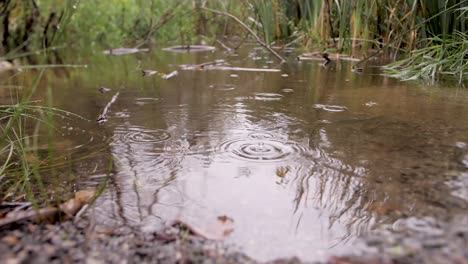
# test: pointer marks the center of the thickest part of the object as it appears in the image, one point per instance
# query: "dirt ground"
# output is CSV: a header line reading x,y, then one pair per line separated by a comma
x,y
408,241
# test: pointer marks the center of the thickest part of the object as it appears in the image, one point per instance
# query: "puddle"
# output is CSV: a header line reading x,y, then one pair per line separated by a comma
x,y
297,178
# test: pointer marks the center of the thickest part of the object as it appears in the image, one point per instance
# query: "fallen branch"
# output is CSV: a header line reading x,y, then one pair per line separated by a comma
x,y
248,29
67,209
103,117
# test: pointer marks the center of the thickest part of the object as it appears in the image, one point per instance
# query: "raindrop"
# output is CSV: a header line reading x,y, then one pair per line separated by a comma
x,y
261,147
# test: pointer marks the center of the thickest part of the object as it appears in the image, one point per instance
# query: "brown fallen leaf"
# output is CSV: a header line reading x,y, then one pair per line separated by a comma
x,y
10,240
212,229
71,207
385,208
85,196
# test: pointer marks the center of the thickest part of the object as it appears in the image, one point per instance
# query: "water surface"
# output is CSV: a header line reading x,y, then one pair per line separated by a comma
x,y
303,160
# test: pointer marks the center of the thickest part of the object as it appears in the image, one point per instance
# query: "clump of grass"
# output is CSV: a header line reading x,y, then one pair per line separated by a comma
x,y
20,129
441,59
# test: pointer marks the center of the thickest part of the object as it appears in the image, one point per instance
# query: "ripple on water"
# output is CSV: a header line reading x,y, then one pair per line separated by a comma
x,y
223,87
147,150
145,100
261,146
330,108
268,97
142,135
162,162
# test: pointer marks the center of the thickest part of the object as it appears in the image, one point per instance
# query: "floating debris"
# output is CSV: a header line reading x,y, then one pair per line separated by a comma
x,y
189,48
226,68
330,108
148,72
169,75
356,69
104,89
200,66
124,51
234,75
213,229
287,90
268,97
224,46
284,75
103,116
326,56
370,104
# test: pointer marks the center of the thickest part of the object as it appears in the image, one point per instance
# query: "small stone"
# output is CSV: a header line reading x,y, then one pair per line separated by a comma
x,y
434,243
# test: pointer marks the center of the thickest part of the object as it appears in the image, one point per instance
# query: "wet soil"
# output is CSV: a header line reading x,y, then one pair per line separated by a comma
x,y
410,240
82,242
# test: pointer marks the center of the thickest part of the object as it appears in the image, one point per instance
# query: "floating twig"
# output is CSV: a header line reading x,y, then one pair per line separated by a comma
x,y
103,89
326,57
248,29
124,51
170,75
103,116
228,49
148,72
227,68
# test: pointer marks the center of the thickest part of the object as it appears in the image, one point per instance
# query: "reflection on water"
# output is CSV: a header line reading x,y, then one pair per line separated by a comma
x,y
299,158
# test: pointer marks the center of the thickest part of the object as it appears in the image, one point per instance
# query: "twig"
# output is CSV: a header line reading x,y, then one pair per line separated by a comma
x,y
103,117
43,213
228,49
248,29
169,75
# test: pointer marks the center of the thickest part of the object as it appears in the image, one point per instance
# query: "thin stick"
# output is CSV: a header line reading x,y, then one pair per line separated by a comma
x,y
228,49
103,117
248,29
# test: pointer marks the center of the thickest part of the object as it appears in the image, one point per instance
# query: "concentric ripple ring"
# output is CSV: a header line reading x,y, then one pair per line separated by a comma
x,y
261,147
142,135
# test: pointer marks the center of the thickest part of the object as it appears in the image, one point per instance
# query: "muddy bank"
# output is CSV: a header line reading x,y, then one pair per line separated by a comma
x,y
82,242
411,240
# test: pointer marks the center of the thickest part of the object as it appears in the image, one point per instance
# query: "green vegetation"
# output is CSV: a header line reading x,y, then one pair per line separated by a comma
x,y
396,25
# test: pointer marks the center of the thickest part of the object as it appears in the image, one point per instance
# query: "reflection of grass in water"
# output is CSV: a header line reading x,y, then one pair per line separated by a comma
x,y
330,184
25,162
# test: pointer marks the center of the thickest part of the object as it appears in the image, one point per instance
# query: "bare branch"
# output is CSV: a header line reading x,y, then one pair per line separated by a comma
x,y
248,29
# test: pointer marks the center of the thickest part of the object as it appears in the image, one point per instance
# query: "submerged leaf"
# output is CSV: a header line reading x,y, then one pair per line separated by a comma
x,y
213,229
